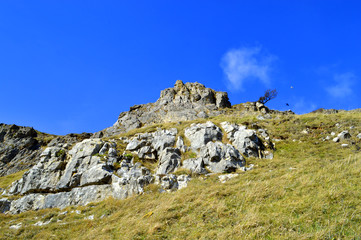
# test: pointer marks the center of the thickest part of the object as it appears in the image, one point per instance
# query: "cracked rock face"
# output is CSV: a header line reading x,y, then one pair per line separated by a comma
x,y
200,134
245,140
76,177
17,145
220,157
183,102
151,145
169,161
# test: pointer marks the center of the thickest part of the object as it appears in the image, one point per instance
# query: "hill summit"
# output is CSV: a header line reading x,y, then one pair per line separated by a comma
x,y
183,102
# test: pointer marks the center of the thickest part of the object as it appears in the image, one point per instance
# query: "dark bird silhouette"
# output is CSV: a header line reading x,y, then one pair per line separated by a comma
x,y
287,104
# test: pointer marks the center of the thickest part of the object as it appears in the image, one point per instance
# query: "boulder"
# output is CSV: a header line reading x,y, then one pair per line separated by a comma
x,y
245,140
169,182
220,157
344,135
96,175
169,160
150,145
183,181
131,179
195,165
202,133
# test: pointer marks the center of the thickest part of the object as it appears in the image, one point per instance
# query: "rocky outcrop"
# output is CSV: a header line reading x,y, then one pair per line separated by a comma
x,y
19,148
245,140
200,134
84,174
220,157
169,161
172,182
92,170
77,196
150,145
183,102
130,179
195,165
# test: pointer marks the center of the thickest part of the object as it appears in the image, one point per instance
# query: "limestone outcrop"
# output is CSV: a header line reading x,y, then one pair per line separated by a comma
x,y
150,145
84,174
77,169
183,102
19,148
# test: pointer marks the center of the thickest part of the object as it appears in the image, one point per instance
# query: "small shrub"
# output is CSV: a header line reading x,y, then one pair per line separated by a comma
x,y
60,153
128,156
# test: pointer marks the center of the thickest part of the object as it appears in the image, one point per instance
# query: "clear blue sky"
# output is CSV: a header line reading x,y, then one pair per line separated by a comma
x,y
73,66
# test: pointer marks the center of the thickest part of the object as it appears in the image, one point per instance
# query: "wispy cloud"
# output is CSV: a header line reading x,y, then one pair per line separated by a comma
x,y
342,85
246,64
302,106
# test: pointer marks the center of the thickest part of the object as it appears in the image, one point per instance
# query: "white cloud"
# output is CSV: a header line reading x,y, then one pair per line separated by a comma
x,y
343,85
246,64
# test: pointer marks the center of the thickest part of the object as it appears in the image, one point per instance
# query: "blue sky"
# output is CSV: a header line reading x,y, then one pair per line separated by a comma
x,y
73,66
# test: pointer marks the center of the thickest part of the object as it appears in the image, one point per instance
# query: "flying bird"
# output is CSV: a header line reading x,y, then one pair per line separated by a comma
x,y
287,104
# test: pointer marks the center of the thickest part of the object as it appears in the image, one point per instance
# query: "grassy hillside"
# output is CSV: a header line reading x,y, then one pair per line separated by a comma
x,y
311,189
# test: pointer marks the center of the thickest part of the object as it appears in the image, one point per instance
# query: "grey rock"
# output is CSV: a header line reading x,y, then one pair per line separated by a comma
x,y
180,144
220,157
135,144
82,158
183,181
200,134
98,174
202,115
131,180
183,102
150,145
4,205
226,177
245,140
169,182
77,196
344,145
195,165
344,135
359,136
44,176
16,226
20,148
169,160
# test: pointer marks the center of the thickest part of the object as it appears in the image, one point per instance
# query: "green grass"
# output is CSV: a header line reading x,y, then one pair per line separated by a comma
x,y
310,190
6,181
